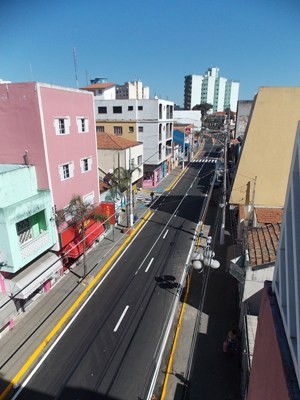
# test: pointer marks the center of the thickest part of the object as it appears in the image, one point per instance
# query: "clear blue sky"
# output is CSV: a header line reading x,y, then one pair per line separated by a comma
x,y
255,42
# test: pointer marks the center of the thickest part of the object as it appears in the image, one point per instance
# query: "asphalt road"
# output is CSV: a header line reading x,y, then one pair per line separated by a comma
x,y
111,349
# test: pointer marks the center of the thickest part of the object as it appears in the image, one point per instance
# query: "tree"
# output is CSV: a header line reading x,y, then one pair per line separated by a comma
x,y
204,108
121,180
78,212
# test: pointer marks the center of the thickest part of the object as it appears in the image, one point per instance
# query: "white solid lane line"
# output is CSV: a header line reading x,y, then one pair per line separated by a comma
x,y
151,261
121,318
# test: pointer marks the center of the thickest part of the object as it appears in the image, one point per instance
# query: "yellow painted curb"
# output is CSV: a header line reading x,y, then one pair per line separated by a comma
x,y
73,307
170,363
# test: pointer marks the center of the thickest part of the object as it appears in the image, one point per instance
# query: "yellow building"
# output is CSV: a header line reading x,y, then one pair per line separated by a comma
x,y
262,172
127,129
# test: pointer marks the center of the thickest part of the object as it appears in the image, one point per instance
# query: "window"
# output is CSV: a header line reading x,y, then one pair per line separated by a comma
x,y
130,108
24,230
118,130
62,126
66,171
141,129
130,129
140,160
102,110
140,108
86,164
99,128
82,124
117,109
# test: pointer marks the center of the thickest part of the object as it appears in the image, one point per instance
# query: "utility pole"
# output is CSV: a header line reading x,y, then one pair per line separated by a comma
x,y
227,136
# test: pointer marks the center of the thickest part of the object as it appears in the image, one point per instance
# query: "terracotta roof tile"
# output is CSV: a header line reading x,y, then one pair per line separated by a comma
x,y
111,142
269,215
263,244
93,86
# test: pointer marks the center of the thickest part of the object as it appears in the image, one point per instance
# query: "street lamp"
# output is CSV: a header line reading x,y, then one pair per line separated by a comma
x,y
206,257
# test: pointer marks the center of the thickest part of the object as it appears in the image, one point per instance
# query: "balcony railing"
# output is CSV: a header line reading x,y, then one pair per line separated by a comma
x,y
33,246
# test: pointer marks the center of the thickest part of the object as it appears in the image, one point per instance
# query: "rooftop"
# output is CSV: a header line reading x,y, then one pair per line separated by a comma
x,y
94,86
111,142
268,215
263,244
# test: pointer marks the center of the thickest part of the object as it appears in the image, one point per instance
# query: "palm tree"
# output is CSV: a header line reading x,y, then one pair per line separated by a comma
x,y
78,211
121,180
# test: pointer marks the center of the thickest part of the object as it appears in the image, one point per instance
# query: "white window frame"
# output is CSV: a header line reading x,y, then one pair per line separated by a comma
x,y
85,161
57,125
63,173
82,124
89,198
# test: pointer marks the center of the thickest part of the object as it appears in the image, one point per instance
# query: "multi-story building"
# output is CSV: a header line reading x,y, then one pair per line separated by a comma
x,y
275,371
104,90
212,89
51,129
132,90
148,121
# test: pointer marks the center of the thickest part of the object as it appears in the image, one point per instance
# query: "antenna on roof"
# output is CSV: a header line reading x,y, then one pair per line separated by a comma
x,y
75,66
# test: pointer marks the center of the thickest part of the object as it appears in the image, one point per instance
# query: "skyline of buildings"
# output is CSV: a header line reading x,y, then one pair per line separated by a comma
x,y
210,88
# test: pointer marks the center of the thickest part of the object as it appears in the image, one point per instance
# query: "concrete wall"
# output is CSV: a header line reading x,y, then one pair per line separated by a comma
x,y
243,113
267,377
19,200
21,128
267,149
61,149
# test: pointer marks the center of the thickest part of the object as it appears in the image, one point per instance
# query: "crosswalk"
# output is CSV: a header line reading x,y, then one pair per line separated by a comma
x,y
207,160
143,197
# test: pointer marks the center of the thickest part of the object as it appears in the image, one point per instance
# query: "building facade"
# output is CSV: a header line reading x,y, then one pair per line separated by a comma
x,y
53,129
275,371
147,121
210,88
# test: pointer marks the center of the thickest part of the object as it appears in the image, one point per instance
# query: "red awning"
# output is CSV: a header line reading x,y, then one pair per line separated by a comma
x,y
74,249
93,232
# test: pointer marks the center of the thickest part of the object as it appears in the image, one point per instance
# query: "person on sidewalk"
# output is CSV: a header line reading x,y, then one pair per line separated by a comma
x,y
230,343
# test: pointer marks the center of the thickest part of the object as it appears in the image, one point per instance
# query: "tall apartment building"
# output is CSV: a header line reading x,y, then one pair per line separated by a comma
x,y
210,88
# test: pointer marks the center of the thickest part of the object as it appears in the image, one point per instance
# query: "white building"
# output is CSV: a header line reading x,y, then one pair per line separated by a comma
x,y
132,90
149,121
212,89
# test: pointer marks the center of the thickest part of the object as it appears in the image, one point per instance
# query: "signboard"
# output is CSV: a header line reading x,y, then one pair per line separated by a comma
x,y
108,209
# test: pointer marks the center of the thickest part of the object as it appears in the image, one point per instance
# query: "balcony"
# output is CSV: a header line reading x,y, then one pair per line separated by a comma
x,y
35,246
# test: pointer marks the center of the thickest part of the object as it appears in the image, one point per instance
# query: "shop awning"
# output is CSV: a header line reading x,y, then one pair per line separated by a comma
x,y
33,276
74,249
93,232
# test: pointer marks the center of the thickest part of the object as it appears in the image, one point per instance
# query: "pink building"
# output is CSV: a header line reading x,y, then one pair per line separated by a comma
x,y
52,128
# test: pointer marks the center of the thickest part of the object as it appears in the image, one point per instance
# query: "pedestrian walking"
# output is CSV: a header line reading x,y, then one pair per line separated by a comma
x,y
152,196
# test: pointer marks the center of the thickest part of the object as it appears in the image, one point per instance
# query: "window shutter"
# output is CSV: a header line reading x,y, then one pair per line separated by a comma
x,y
90,163
61,172
71,169
78,121
67,124
87,124
56,125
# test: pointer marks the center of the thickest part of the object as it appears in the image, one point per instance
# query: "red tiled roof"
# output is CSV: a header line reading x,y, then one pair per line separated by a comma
x,y
95,86
263,244
269,215
111,142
